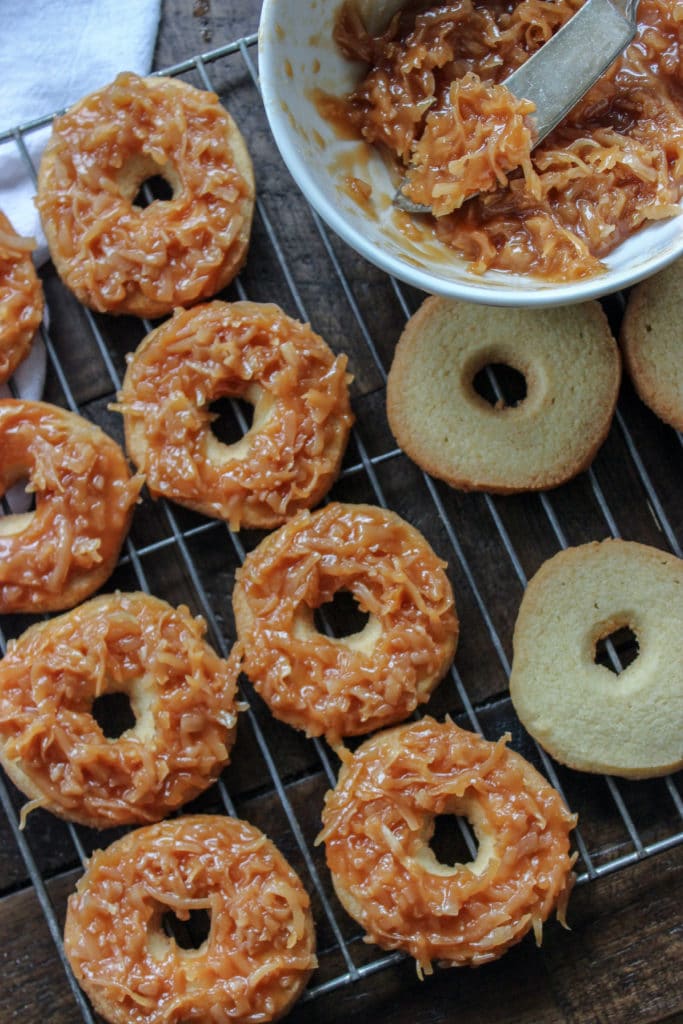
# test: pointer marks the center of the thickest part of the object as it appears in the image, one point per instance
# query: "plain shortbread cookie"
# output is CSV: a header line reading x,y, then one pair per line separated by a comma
x,y
652,343
572,369
586,716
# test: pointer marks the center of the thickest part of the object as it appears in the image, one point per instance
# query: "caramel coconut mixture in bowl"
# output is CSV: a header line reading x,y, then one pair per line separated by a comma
x,y
357,92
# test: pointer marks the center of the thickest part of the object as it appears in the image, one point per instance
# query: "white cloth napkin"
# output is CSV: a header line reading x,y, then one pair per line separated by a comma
x,y
53,52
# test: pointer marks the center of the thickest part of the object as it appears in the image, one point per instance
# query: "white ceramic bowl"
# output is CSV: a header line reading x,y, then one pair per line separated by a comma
x,y
297,56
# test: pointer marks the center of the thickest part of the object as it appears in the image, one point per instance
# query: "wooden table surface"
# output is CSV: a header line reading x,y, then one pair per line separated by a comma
x,y
622,960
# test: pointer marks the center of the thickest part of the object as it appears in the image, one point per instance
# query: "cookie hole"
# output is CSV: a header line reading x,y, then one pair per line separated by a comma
x,y
500,385
113,713
449,843
342,616
617,650
154,189
190,933
234,418
16,508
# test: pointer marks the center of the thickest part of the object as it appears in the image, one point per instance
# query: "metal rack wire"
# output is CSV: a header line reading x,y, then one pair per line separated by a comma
x,y
623,833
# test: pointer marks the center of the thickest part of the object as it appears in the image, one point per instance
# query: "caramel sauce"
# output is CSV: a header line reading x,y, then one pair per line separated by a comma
x,y
220,350
338,688
118,257
349,161
182,693
469,146
21,298
84,501
614,164
378,822
361,193
260,949
333,110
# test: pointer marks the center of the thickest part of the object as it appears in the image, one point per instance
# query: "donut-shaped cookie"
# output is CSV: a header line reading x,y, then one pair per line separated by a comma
x,y
375,677
116,256
58,555
380,817
21,298
652,344
571,366
181,694
260,950
585,715
292,453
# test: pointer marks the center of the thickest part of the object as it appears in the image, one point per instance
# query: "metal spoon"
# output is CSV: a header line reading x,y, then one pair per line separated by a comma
x,y
563,69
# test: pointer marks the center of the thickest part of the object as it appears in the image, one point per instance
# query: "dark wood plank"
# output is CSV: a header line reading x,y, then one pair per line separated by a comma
x,y
626,955
33,985
195,26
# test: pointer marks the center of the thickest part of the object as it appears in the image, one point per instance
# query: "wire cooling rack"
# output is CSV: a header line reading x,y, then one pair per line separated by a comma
x,y
277,779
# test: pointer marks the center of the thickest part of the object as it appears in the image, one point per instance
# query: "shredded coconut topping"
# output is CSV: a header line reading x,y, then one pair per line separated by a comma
x,y
302,416
181,692
117,256
379,819
260,949
470,145
84,501
375,678
21,298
